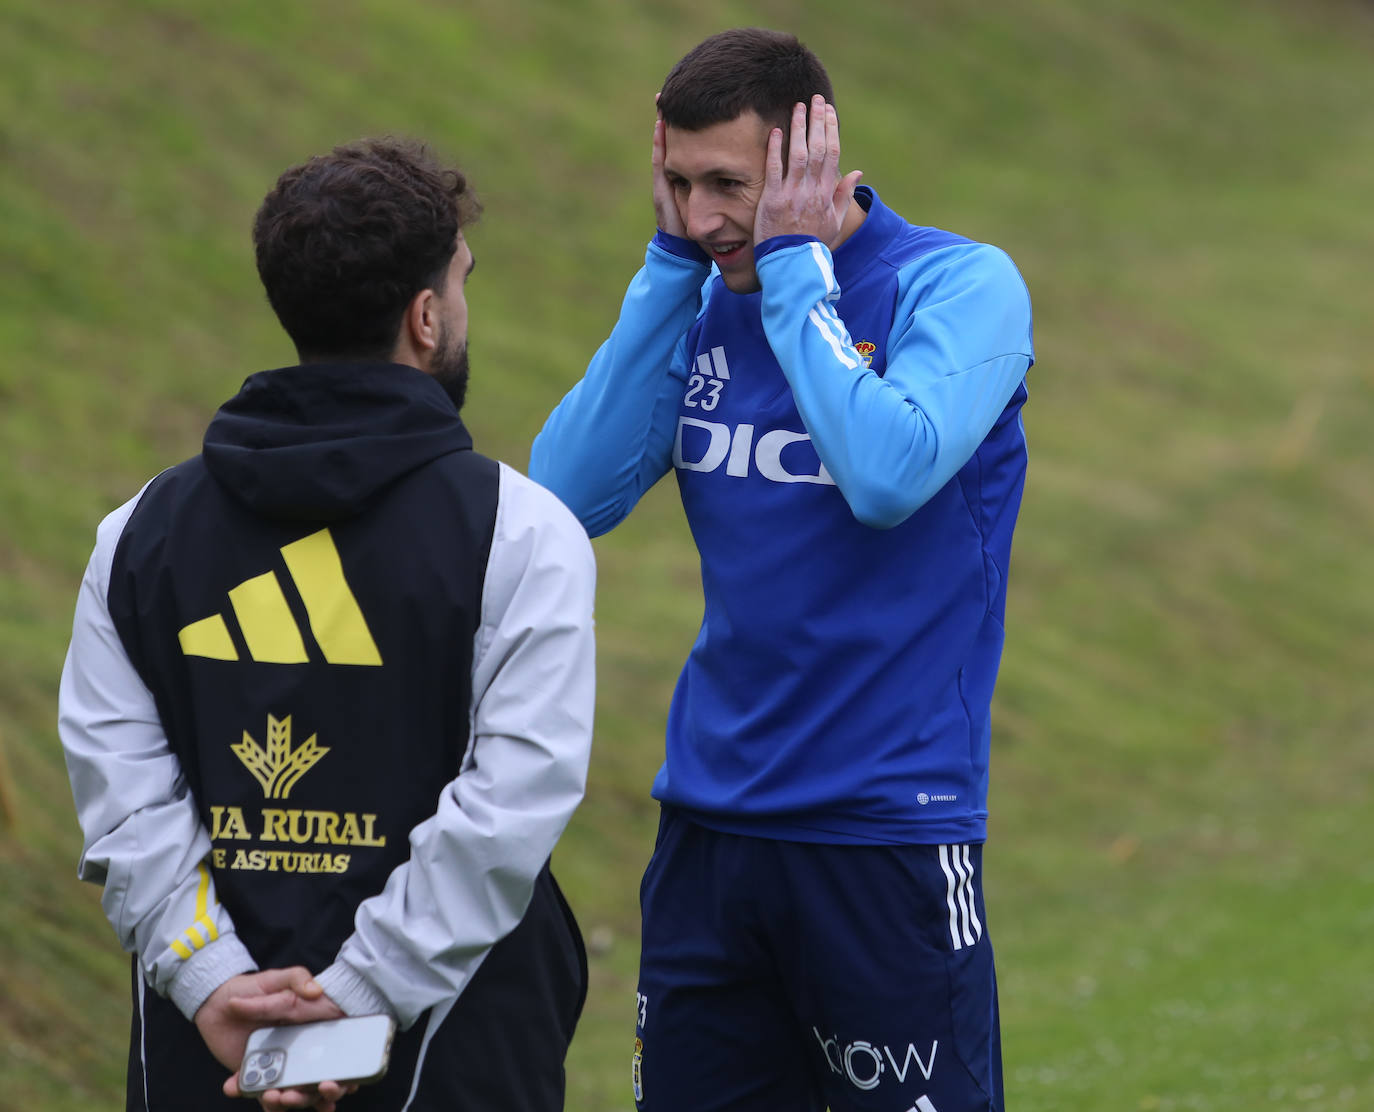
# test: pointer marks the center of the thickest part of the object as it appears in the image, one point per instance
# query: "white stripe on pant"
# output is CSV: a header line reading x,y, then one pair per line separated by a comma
x,y
965,928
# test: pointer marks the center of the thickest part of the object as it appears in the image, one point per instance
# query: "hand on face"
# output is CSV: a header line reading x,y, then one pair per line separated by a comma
x,y
665,204
812,199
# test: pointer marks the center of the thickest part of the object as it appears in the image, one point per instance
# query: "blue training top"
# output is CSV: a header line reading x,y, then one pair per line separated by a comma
x,y
850,456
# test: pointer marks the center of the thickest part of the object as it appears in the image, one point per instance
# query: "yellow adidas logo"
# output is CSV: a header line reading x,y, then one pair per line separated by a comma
x,y
264,618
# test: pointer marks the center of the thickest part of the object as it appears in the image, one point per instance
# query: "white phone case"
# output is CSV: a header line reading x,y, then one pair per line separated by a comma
x,y
353,1049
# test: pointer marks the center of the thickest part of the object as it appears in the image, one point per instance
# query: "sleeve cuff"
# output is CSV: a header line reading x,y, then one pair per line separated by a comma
x,y
780,243
352,992
686,249
207,969
786,270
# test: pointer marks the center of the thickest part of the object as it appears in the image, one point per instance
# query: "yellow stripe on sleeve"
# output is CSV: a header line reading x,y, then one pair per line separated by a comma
x,y
203,904
193,934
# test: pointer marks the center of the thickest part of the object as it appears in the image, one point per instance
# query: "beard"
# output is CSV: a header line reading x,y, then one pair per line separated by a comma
x,y
449,368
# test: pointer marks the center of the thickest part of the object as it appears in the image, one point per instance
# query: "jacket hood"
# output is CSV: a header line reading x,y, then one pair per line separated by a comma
x,y
318,442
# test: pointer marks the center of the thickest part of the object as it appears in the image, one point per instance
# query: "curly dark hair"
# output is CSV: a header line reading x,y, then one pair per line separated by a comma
x,y
739,70
345,240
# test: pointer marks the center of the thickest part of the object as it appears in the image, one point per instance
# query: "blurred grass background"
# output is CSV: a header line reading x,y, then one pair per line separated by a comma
x,y
1180,876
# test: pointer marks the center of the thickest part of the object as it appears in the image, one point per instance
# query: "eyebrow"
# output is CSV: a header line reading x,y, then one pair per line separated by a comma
x,y
714,172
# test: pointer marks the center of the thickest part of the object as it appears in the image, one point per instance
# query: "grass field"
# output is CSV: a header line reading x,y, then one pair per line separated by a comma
x,y
1179,873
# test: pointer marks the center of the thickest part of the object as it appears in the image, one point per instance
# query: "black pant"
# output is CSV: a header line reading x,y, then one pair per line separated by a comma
x,y
500,1048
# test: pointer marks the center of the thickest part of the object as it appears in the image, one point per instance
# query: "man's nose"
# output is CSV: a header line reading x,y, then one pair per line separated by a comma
x,y
703,216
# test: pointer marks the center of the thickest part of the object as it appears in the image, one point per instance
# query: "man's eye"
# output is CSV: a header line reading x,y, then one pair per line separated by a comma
x,y
730,183
679,184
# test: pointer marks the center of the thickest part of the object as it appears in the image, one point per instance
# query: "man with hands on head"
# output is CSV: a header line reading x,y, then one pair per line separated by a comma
x,y
838,393
328,701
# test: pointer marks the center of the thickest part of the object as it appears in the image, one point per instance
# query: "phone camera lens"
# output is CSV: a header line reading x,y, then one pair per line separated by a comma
x,y
251,1077
270,1074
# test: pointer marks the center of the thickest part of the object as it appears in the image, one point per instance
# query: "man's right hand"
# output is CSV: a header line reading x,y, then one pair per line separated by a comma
x,y
665,202
251,1000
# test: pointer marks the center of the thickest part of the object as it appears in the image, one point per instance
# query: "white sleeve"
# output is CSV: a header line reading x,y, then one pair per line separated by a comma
x,y
473,865
143,839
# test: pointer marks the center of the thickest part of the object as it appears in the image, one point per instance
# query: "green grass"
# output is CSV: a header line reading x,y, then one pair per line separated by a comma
x,y
1178,876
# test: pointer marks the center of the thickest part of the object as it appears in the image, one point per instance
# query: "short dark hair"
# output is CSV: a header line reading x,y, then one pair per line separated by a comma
x,y
739,70
345,240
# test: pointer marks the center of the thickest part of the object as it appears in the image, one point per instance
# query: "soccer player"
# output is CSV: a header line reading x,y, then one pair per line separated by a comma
x,y
328,701
838,393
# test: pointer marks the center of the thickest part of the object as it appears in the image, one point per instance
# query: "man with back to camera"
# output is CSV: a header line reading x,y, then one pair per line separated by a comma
x,y
839,395
328,700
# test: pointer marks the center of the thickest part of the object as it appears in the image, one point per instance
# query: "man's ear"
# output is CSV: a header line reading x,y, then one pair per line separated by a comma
x,y
420,323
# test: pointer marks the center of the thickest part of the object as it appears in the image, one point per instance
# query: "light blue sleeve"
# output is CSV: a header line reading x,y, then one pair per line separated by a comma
x,y
960,344
611,438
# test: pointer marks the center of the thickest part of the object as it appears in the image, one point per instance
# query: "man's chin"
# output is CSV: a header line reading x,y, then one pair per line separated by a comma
x,y
452,375
742,281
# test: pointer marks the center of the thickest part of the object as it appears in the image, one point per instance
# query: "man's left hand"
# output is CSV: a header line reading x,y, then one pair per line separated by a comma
x,y
812,199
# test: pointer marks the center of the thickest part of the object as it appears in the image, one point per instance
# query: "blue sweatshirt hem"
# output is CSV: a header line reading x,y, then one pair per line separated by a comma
x,y
846,829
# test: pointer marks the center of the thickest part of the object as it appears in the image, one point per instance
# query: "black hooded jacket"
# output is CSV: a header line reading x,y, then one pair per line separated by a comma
x,y
342,615
336,530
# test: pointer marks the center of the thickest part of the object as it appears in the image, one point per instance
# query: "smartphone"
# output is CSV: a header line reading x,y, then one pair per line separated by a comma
x,y
353,1050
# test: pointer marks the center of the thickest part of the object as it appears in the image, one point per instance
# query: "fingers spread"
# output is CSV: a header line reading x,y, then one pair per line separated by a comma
x,y
773,164
816,140
811,199
832,138
797,152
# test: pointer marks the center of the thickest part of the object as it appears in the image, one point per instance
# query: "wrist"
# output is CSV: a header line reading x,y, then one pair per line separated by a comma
x,y
796,269
207,969
681,247
781,241
353,993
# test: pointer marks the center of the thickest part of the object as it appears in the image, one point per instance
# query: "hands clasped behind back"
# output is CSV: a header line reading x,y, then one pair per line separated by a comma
x,y
262,999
